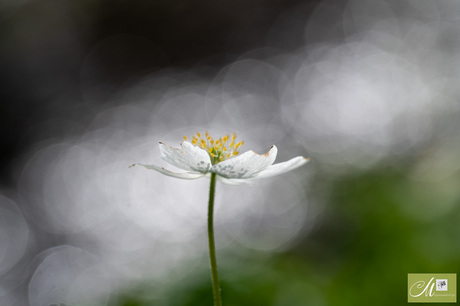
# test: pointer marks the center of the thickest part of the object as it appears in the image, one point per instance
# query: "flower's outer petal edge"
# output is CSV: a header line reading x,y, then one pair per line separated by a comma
x,y
188,157
184,176
245,165
283,167
235,182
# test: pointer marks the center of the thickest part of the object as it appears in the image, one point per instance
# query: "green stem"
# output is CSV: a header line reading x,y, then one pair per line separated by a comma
x,y
212,247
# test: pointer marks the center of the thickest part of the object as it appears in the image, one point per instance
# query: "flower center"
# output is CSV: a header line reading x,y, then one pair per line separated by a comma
x,y
219,149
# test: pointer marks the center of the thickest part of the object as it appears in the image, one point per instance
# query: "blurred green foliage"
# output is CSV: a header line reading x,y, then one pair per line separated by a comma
x,y
376,228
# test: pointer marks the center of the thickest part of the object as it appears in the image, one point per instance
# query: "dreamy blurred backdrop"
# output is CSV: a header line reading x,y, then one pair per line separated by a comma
x,y
367,89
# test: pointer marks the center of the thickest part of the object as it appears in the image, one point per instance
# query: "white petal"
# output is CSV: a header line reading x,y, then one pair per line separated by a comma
x,y
283,167
189,157
184,176
245,165
235,182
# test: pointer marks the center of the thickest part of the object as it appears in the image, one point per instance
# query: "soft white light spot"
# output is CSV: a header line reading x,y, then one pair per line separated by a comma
x,y
70,276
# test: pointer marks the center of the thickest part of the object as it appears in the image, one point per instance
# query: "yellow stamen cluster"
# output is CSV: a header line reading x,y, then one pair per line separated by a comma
x,y
219,149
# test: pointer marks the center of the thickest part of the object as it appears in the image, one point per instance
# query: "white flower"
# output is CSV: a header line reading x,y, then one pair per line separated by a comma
x,y
204,155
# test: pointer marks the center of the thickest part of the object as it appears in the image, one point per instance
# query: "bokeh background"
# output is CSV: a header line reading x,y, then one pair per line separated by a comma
x,y
367,89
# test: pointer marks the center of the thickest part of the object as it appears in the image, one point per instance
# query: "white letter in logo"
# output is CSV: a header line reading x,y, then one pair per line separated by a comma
x,y
420,284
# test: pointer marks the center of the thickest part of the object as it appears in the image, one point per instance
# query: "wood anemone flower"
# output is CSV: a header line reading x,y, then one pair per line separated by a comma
x,y
203,155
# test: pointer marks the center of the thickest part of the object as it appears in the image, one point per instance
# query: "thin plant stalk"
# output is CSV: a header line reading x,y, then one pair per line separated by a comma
x,y
212,247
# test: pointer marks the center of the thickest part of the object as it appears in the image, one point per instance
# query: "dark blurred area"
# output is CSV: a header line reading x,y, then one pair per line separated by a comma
x,y
367,89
